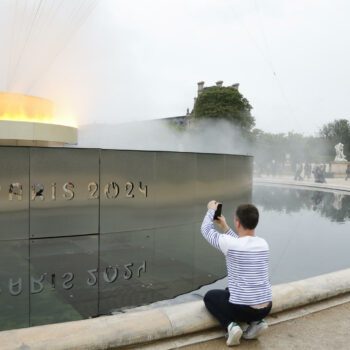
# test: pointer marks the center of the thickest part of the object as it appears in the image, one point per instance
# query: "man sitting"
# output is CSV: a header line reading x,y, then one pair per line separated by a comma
x,y
248,297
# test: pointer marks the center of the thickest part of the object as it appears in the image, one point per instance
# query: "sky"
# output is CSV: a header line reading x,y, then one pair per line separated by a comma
x,y
123,61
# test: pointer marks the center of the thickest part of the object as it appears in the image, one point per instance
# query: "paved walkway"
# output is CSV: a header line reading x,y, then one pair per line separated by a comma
x,y
335,183
324,330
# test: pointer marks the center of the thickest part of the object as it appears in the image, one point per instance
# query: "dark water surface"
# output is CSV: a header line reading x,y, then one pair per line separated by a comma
x,y
308,232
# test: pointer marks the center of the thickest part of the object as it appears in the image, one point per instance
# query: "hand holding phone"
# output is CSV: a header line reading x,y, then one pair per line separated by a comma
x,y
218,211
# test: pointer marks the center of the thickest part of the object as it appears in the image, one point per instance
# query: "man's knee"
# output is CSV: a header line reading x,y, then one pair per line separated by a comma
x,y
209,297
215,297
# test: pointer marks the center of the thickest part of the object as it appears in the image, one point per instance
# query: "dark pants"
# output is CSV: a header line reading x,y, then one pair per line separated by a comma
x,y
217,303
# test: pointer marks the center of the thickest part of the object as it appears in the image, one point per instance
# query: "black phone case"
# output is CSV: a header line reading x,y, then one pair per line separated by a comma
x,y
218,211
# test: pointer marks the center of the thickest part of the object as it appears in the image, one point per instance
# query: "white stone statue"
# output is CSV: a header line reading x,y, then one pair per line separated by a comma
x,y
339,153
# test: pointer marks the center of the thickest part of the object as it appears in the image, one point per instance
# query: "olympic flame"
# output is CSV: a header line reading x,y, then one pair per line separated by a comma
x,y
23,108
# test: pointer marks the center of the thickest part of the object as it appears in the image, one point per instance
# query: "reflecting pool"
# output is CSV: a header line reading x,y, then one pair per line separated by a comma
x,y
308,231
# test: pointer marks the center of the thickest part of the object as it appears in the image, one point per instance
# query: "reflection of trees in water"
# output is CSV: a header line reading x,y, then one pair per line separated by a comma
x,y
334,206
280,199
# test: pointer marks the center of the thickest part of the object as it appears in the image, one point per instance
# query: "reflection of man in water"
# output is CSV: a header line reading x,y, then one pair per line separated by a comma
x,y
248,296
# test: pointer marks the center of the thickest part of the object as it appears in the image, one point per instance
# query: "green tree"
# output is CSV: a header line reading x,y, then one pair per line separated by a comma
x,y
335,132
224,103
269,147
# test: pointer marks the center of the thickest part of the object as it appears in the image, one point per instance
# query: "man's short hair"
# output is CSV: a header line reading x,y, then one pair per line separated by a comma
x,y
248,216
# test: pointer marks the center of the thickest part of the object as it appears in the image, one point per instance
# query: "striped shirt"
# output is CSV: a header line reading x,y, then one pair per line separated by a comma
x,y
247,262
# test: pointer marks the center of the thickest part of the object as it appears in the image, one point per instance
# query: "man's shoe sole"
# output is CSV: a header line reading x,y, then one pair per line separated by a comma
x,y
235,339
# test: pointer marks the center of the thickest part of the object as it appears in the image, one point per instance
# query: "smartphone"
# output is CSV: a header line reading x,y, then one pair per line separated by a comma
x,y
218,211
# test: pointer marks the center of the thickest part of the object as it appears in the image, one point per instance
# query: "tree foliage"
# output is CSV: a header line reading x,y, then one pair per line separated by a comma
x,y
295,147
227,103
224,103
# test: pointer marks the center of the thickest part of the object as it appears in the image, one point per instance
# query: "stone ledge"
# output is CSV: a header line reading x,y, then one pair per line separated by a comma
x,y
15,131
142,327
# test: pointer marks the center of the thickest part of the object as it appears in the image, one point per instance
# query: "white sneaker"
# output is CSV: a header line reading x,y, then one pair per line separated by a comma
x,y
255,330
234,333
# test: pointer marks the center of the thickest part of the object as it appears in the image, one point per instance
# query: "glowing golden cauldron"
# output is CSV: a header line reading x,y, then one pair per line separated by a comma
x,y
31,119
17,107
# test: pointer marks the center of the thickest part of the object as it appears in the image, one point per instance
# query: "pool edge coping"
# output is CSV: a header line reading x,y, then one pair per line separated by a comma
x,y
302,184
143,327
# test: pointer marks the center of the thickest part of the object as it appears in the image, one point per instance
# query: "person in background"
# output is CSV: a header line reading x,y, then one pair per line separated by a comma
x,y
248,297
323,173
319,174
307,170
298,171
347,172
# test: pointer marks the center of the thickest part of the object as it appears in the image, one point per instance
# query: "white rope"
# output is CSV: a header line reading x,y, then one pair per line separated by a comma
x,y
40,31
12,40
77,18
27,39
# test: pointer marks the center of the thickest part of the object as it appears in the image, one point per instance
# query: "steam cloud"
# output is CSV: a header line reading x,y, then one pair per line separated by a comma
x,y
154,135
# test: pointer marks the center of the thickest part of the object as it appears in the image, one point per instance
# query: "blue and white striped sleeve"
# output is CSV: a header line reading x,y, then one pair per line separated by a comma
x,y
216,239
208,230
231,233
